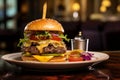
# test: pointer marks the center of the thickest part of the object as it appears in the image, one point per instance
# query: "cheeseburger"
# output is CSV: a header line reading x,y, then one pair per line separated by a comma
x,y
43,41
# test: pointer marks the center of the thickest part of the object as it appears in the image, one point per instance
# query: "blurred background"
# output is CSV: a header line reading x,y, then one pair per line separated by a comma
x,y
99,20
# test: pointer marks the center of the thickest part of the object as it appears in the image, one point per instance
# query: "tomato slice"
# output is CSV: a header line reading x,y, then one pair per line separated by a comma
x,y
72,59
56,38
32,37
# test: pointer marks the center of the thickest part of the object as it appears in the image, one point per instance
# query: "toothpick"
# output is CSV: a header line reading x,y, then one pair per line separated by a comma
x,y
44,10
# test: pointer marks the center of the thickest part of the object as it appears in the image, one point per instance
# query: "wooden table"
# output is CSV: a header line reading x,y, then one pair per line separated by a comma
x,y
106,70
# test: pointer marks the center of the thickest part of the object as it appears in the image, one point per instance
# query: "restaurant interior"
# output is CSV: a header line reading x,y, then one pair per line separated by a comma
x,y
98,20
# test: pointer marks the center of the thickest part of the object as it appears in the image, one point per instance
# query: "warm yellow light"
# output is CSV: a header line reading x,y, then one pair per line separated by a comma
x,y
118,8
106,3
76,7
24,8
103,9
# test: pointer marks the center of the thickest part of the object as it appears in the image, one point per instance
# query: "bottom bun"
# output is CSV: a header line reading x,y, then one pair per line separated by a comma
x,y
24,58
58,59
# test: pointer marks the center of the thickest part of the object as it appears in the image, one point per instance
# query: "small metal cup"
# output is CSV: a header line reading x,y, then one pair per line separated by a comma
x,y
81,44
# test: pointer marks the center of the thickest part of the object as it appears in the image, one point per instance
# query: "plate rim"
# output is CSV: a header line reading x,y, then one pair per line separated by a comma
x,y
34,62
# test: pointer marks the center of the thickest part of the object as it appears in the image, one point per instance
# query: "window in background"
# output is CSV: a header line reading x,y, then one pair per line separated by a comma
x,y
11,24
8,11
1,10
11,8
1,14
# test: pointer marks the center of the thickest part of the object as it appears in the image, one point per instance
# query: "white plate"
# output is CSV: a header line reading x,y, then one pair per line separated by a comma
x,y
14,58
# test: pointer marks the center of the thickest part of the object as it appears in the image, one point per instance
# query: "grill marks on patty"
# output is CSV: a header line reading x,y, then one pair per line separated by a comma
x,y
32,49
48,49
51,49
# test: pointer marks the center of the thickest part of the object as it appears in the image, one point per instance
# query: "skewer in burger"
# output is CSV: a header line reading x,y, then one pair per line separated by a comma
x,y
43,41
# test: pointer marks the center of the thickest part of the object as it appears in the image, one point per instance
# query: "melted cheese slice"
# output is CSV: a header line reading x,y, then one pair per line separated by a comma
x,y
43,58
